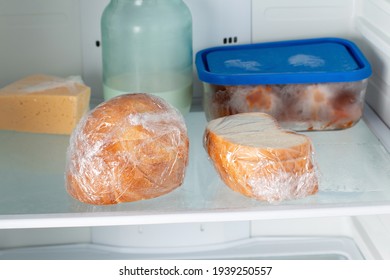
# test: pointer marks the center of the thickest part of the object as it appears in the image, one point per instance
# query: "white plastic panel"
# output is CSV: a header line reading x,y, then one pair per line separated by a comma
x,y
14,238
171,235
372,22
285,19
215,20
355,180
90,43
370,233
269,248
374,232
40,36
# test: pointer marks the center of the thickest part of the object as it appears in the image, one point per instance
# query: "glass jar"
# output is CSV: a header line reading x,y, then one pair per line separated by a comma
x,y
147,48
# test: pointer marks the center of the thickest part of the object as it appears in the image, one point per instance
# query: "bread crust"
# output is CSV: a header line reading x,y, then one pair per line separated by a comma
x,y
130,148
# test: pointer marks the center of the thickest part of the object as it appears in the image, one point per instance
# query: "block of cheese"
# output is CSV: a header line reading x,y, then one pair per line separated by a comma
x,y
258,159
43,104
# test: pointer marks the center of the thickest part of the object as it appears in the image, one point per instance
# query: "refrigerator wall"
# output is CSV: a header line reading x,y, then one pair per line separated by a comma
x,y
363,21
61,37
371,21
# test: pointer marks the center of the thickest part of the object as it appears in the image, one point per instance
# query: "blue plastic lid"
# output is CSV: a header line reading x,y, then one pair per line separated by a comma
x,y
287,62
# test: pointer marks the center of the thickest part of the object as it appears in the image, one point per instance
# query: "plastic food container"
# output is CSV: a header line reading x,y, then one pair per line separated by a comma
x,y
311,84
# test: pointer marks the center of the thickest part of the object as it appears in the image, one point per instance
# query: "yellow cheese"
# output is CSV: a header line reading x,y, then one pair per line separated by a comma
x,y
43,104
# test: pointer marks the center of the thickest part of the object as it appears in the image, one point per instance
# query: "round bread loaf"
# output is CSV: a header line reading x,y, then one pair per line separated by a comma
x,y
132,147
255,157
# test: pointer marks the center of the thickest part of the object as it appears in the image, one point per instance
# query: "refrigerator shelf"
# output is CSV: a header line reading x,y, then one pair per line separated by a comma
x,y
354,180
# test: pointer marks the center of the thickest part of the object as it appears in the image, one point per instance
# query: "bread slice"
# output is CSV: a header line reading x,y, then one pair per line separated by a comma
x,y
257,158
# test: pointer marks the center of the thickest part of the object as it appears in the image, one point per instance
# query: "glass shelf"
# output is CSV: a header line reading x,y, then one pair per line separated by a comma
x,y
354,180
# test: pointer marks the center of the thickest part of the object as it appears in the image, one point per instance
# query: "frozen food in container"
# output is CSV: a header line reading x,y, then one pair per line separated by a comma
x,y
310,84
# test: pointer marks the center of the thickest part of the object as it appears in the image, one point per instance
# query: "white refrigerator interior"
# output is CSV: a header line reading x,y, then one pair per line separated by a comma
x,y
348,219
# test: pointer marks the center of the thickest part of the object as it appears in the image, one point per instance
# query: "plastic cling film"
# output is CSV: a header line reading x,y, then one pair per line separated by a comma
x,y
44,84
130,148
284,182
263,161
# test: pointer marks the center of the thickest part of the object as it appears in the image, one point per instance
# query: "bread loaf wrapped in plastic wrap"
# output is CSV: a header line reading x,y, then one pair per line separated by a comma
x,y
130,148
256,158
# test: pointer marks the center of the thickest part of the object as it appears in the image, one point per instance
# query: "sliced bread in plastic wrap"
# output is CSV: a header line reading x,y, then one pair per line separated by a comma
x,y
256,158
